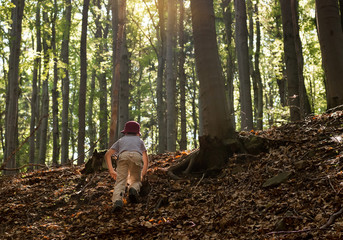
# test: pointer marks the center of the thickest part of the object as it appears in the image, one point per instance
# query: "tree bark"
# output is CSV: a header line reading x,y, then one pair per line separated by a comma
x,y
257,73
171,81
13,85
160,90
101,76
45,91
331,45
116,74
182,77
230,61
217,127
65,82
34,86
243,65
83,85
124,88
56,146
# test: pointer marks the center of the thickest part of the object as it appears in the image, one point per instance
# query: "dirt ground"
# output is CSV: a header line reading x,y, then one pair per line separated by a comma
x,y
293,190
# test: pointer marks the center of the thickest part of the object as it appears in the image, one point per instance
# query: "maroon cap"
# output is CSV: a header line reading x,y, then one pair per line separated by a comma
x,y
132,127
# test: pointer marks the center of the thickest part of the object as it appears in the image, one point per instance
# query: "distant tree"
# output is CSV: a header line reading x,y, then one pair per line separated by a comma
x,y
161,40
65,81
243,65
331,45
34,95
56,132
117,48
45,89
257,74
182,78
13,85
83,85
100,33
171,78
124,91
293,59
231,68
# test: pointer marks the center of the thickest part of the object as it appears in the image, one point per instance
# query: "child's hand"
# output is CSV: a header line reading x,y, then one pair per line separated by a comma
x,y
113,174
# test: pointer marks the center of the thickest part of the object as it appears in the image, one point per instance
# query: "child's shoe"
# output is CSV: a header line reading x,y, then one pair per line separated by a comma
x,y
133,195
117,205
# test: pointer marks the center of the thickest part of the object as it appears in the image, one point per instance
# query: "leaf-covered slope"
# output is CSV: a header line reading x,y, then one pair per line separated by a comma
x,y
62,204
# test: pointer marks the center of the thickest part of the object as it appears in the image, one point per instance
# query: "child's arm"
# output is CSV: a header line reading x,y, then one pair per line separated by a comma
x,y
108,156
145,163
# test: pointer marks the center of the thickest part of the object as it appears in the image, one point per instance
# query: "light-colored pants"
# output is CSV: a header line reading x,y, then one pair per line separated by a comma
x,y
129,169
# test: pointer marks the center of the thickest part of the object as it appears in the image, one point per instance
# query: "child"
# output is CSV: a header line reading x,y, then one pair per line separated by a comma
x,y
132,164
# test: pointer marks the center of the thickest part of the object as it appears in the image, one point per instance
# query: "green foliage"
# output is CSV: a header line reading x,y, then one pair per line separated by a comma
x,y
142,36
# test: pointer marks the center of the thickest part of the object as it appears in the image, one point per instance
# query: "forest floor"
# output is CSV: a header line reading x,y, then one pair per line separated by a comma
x,y
242,203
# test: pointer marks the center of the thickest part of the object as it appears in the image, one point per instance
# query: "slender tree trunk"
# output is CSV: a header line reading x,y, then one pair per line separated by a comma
x,y
243,65
101,76
83,86
162,133
56,146
257,73
34,85
182,77
13,85
331,45
116,74
90,121
195,116
230,62
171,81
45,92
124,88
305,107
65,82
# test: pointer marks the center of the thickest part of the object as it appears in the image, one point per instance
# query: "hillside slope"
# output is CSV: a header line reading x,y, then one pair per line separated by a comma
x,y
292,191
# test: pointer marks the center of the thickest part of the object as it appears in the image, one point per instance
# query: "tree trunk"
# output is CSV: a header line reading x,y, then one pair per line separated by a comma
x,y
195,116
243,65
90,121
124,88
182,77
291,61
83,86
116,75
331,45
65,82
162,133
45,92
257,73
101,76
230,62
171,81
56,146
33,120
217,127
13,85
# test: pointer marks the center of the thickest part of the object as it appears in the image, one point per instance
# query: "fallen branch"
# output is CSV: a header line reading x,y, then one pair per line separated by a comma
x,y
203,175
294,231
325,226
332,219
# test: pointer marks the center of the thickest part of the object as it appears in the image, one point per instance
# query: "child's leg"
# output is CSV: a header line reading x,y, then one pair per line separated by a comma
x,y
120,185
135,169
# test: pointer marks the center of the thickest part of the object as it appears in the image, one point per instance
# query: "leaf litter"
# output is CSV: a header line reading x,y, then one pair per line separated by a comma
x,y
61,203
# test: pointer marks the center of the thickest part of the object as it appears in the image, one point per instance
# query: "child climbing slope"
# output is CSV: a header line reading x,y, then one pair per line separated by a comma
x,y
132,164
